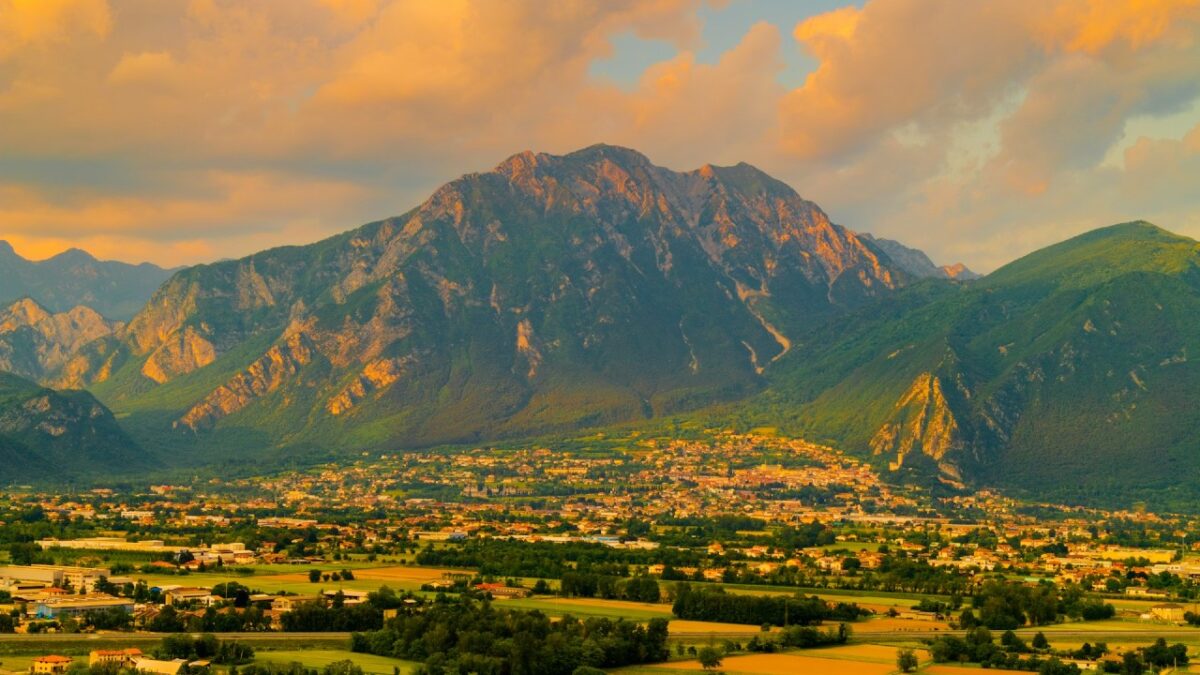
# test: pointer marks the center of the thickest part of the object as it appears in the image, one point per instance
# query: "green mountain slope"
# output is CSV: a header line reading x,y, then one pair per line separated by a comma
x,y
1067,372
553,292
53,436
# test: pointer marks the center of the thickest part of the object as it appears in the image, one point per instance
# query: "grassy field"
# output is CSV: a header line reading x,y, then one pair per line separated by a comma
x,y
317,658
294,579
773,664
584,607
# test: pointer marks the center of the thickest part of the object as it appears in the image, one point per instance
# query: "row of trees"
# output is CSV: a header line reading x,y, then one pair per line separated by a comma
x,y
205,647
714,604
462,635
589,585
1001,605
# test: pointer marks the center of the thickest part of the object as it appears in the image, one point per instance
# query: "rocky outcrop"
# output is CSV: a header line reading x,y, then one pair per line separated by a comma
x,y
35,343
265,375
179,354
922,422
375,376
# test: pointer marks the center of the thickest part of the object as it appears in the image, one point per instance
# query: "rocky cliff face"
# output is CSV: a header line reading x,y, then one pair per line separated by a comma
x,y
35,343
551,291
921,422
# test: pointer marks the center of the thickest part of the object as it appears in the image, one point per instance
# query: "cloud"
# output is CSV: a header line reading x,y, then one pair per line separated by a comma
x,y
35,24
993,118
974,129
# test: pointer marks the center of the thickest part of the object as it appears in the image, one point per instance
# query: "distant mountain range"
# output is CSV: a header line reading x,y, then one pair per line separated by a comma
x,y
556,293
917,264
72,278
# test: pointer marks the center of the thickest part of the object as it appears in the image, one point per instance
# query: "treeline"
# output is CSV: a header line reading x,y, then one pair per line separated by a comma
x,y
1011,653
714,604
588,585
507,558
463,636
205,647
334,615
1001,605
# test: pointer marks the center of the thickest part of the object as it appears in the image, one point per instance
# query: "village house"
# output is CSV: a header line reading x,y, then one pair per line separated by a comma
x,y
1168,611
121,658
184,595
50,665
502,591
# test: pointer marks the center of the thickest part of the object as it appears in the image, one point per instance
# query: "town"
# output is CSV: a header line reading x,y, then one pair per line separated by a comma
x,y
630,528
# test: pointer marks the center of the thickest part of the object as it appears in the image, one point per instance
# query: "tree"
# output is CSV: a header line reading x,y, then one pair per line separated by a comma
x,y
314,576
1131,664
906,660
1040,641
710,658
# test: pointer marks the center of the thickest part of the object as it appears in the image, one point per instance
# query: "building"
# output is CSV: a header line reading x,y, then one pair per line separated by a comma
x,y
288,603
74,605
157,667
182,595
122,658
79,578
1168,611
502,591
48,665
349,597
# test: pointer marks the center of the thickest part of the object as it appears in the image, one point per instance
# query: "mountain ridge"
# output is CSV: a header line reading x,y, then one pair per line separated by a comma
x,y
551,292
74,277
1052,375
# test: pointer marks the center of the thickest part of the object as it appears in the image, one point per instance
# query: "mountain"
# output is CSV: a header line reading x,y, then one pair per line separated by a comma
x,y
35,342
917,264
552,292
1069,372
51,436
73,278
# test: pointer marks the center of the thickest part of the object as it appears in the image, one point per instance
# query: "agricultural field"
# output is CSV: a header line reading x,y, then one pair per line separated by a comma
x,y
585,607
294,579
773,664
317,658
684,628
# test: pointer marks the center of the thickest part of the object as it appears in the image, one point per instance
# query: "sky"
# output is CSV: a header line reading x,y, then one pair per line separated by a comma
x,y
185,131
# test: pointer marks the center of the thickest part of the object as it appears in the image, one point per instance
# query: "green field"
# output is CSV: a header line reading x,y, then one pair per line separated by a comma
x,y
316,658
585,607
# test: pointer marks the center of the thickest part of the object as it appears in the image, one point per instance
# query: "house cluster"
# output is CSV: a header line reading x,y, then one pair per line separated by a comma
x,y
131,659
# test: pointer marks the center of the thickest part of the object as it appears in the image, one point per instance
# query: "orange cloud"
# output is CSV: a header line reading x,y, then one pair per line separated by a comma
x,y
296,119
31,23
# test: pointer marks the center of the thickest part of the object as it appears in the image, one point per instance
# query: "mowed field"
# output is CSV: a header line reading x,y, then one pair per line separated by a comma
x,y
885,624
683,627
585,607
294,579
778,664
319,658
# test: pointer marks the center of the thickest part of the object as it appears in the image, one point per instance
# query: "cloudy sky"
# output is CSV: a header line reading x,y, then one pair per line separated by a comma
x,y
184,131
